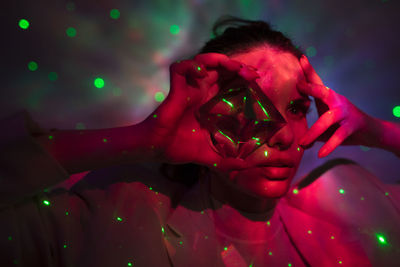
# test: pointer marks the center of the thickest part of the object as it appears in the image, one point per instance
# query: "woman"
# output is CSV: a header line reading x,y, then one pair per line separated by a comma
x,y
237,114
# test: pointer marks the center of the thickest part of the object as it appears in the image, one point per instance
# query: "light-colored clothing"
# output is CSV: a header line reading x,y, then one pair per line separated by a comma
x,y
131,215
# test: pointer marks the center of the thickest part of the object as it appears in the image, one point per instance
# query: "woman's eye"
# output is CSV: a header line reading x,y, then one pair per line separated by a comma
x,y
299,110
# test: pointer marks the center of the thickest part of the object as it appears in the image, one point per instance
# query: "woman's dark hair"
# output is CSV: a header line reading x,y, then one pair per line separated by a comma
x,y
232,35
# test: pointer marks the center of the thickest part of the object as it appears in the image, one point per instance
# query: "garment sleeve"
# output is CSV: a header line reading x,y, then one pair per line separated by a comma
x,y
25,167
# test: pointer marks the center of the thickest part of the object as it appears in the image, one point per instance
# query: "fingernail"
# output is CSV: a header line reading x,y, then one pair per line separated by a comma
x,y
322,153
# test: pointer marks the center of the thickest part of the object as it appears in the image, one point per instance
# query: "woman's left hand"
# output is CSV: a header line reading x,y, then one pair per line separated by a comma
x,y
339,122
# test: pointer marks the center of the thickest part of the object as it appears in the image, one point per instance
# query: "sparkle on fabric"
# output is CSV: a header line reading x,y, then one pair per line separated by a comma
x,y
162,230
295,191
65,246
341,191
99,82
159,96
180,242
381,239
71,32
340,262
46,202
23,24
174,29
115,14
32,66
396,111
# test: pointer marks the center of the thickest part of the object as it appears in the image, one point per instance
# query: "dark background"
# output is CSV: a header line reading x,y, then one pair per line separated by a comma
x,y
353,44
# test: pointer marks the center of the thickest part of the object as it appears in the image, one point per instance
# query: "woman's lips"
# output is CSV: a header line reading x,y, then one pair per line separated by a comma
x,y
276,172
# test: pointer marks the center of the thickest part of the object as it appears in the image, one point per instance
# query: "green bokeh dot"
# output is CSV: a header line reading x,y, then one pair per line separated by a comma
x,y
311,51
32,66
53,76
115,14
396,111
71,32
159,96
174,29
99,82
23,24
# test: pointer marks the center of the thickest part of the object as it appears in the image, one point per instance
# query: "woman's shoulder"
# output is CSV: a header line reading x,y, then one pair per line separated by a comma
x,y
347,195
139,183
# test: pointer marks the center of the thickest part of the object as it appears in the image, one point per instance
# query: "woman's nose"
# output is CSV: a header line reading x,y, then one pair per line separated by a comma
x,y
282,139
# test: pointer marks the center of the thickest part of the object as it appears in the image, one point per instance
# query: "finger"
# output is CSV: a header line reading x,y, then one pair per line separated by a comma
x,y
185,67
336,139
322,125
216,60
310,73
314,90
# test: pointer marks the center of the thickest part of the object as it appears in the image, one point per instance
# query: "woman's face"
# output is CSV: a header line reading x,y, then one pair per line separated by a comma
x,y
274,163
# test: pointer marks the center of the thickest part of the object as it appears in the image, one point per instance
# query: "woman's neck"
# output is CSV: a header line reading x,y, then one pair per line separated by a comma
x,y
245,203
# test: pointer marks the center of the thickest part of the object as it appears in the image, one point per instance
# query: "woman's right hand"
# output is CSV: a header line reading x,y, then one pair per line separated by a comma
x,y
174,133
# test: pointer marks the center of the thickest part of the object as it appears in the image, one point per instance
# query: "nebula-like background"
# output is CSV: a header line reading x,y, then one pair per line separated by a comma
x,y
50,67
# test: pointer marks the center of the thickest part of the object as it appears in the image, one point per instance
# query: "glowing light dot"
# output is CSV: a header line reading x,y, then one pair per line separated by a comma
x,y
362,198
10,238
341,191
162,230
180,242
295,191
202,212
159,96
251,265
340,262
99,83
206,237
23,24
115,14
119,219
71,32
53,76
332,237
67,213
225,248
155,116
80,126
193,130
198,68
396,111
289,264
381,239
46,202
309,232
174,29
256,122
386,193
311,51
50,137
32,66
150,188
266,153
105,140
268,223
65,246
298,148
270,253
70,6
130,264
215,164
